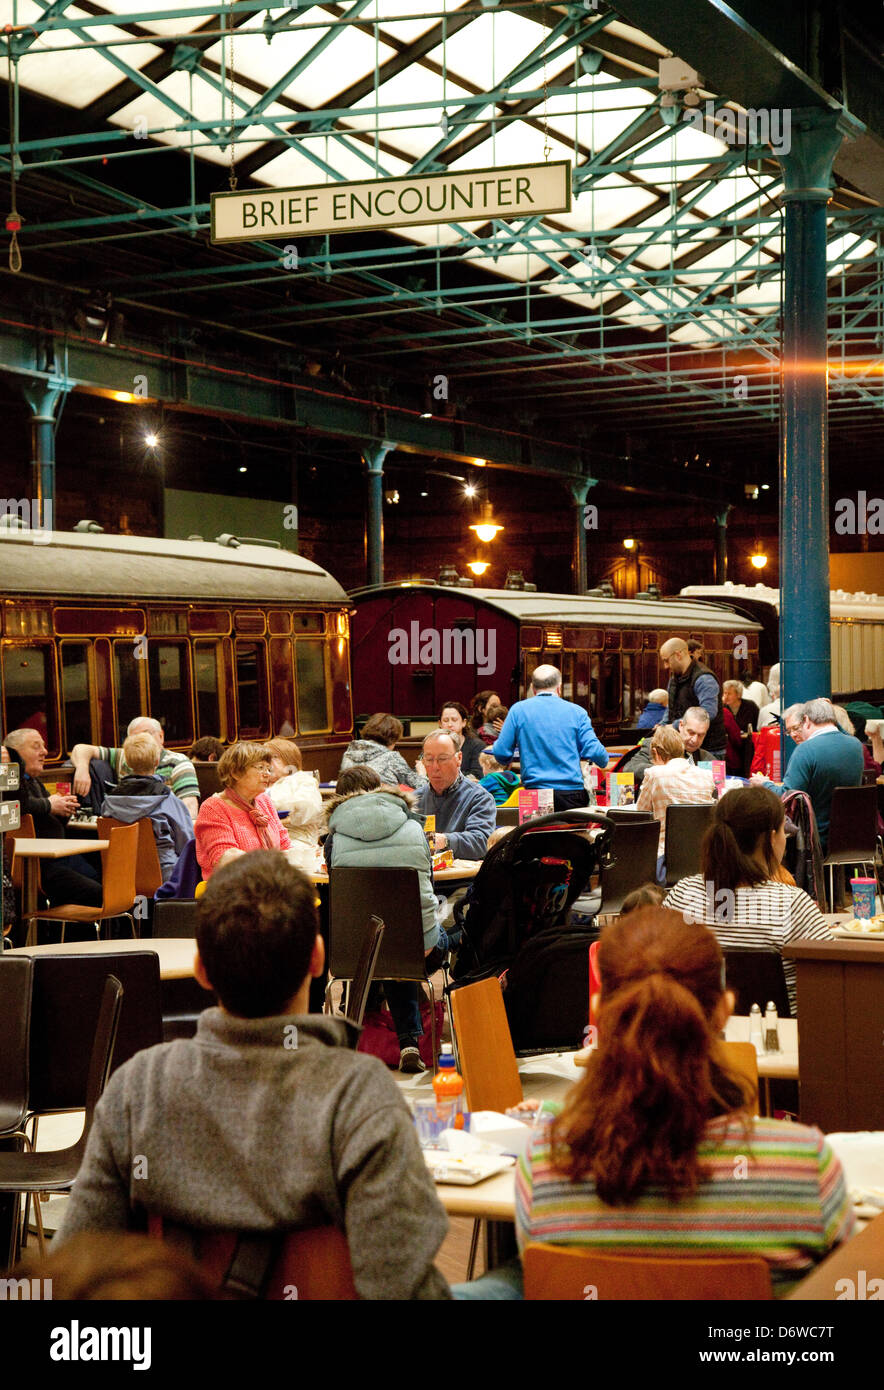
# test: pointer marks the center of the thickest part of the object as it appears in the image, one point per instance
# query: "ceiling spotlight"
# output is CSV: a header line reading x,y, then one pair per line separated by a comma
x,y
151,440
425,494
426,414
758,560
765,487
243,469
480,463
629,543
477,567
469,490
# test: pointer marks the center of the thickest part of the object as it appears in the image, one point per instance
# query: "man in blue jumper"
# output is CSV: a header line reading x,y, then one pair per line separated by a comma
x,y
552,735
825,758
465,812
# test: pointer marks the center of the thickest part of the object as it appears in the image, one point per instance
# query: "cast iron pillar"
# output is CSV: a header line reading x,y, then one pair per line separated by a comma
x,y
373,456
583,515
805,646
43,398
721,544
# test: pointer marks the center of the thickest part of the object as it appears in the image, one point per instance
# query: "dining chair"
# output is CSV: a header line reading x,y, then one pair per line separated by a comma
x,y
557,1272
632,863
685,828
756,976
118,886
357,993
148,874
356,895
853,832
55,1171
308,1265
742,1058
16,985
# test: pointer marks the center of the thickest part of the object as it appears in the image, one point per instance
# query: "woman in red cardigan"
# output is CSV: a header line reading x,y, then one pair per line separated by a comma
x,y
241,816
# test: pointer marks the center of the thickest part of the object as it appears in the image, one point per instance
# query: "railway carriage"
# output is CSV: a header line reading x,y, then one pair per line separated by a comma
x,y
235,640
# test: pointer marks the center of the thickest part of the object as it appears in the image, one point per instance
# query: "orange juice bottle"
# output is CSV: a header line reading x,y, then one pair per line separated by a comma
x,y
448,1082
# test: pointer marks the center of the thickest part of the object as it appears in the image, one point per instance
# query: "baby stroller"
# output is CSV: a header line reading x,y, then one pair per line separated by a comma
x,y
516,925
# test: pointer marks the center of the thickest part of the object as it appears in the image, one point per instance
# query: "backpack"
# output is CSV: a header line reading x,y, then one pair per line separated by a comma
x,y
526,887
546,991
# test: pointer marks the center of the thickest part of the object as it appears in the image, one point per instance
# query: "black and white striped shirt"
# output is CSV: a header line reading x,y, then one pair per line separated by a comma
x,y
758,918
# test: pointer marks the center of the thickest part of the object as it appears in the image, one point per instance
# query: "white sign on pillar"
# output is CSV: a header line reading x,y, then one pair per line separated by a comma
x,y
523,190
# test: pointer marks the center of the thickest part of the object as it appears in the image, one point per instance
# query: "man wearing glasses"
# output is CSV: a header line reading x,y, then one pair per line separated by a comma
x,y
465,812
826,758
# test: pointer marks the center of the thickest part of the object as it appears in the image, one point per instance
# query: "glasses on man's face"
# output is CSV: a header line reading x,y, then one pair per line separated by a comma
x,y
431,762
794,731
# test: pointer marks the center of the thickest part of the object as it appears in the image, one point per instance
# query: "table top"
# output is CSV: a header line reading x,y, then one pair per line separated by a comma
x,y
461,868
176,953
54,849
783,1064
860,1259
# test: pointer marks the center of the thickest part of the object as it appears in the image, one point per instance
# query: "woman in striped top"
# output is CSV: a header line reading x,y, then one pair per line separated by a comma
x,y
655,1147
740,893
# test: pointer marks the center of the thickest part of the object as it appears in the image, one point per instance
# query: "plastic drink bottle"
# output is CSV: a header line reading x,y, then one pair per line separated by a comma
x,y
448,1082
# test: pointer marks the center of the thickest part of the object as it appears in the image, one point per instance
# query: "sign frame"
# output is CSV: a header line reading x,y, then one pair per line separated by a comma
x,y
373,187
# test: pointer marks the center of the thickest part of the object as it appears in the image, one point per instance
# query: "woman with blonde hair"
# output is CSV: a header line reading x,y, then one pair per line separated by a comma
x,y
240,817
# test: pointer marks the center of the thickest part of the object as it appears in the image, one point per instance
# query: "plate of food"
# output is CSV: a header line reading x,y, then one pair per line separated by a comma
x,y
867,927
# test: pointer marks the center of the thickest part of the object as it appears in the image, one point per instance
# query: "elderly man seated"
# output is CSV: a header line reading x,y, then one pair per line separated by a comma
x,y
693,727
671,780
174,768
826,758
465,812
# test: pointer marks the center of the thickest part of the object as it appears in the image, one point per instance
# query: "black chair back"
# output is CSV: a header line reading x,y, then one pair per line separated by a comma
x,y
207,779
16,982
365,971
634,854
355,895
66,1001
628,817
756,976
853,825
507,815
685,828
175,917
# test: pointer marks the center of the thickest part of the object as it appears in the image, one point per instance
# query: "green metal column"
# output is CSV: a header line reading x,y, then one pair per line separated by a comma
x,y
721,544
373,456
579,491
805,647
43,398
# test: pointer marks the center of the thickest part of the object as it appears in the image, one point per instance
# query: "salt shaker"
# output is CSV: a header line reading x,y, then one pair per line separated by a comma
x,y
771,1028
756,1036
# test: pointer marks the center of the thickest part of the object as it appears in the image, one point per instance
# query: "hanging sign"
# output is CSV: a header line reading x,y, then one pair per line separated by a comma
x,y
522,190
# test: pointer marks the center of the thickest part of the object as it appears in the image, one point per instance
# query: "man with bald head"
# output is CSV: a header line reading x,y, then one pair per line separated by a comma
x,y
176,770
551,735
691,684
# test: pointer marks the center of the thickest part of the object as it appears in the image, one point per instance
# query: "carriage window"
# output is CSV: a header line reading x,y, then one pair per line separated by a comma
x,y
251,690
30,693
312,696
128,665
75,693
168,673
208,708
610,700
628,712
283,686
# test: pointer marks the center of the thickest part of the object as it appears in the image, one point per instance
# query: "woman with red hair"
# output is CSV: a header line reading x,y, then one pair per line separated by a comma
x,y
656,1147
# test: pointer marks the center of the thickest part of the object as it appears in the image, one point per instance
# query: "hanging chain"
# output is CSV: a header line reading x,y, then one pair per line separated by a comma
x,y
13,220
230,73
547,143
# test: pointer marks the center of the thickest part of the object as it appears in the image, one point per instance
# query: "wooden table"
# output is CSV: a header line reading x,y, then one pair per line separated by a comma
x,y
176,953
32,851
460,869
841,1006
860,1260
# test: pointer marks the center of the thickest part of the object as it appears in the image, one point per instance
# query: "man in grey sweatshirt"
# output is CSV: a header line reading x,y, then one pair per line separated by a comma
x,y
266,1119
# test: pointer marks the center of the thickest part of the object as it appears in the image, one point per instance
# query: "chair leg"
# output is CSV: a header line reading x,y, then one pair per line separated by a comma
x,y
432,997
474,1247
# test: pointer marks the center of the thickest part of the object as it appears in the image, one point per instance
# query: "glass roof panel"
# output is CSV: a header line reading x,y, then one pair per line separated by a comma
x,y
177,24
610,201
392,14
79,75
517,261
668,246
349,56
733,188
603,113
485,51
206,105
414,132
295,168
516,143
